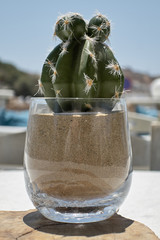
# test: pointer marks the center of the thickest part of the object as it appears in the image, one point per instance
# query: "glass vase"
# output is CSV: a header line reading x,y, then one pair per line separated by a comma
x,y
77,158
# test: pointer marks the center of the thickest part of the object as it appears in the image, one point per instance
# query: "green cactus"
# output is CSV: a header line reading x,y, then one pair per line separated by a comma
x,y
82,66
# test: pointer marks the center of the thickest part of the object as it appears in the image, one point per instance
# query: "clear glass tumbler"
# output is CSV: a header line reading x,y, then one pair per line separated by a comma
x,y
77,158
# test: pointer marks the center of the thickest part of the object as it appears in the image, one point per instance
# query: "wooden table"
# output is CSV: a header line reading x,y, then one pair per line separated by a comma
x,y
142,204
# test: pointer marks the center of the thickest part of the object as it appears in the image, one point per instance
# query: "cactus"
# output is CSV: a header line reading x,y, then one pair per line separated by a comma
x,y
82,65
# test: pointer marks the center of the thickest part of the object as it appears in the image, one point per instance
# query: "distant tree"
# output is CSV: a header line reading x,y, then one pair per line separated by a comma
x,y
22,82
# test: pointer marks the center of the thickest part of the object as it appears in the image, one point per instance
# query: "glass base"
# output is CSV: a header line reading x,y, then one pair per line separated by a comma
x,y
78,215
74,211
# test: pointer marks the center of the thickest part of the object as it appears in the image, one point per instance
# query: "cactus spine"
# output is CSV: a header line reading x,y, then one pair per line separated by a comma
x,y
82,65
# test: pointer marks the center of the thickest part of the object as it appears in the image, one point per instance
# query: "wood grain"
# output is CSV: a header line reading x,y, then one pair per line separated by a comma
x,y
31,225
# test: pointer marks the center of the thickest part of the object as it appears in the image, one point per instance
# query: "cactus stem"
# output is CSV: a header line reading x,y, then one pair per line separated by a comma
x,y
100,15
82,64
64,48
40,88
64,51
53,69
65,44
91,39
66,23
98,29
108,23
107,37
118,93
49,64
57,22
89,83
91,54
54,75
58,93
114,68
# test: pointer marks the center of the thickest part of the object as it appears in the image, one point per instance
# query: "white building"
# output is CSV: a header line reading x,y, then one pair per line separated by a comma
x,y
5,94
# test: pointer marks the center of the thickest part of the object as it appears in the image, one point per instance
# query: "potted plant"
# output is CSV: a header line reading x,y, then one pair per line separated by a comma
x,y
77,154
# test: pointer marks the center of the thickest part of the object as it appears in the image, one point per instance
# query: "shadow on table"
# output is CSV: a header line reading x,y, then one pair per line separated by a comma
x,y
116,224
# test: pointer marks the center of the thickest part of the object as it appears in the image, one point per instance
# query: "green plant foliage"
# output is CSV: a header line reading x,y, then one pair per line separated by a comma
x,y
22,82
82,65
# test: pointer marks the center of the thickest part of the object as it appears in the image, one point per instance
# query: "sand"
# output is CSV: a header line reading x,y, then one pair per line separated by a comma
x,y
77,156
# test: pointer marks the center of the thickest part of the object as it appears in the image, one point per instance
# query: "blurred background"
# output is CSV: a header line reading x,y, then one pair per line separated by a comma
x,y
26,37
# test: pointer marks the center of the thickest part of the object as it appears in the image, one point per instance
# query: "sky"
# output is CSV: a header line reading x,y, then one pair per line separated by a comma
x,y
26,30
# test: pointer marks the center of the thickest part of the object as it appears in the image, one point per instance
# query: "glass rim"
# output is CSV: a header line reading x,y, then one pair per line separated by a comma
x,y
76,98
